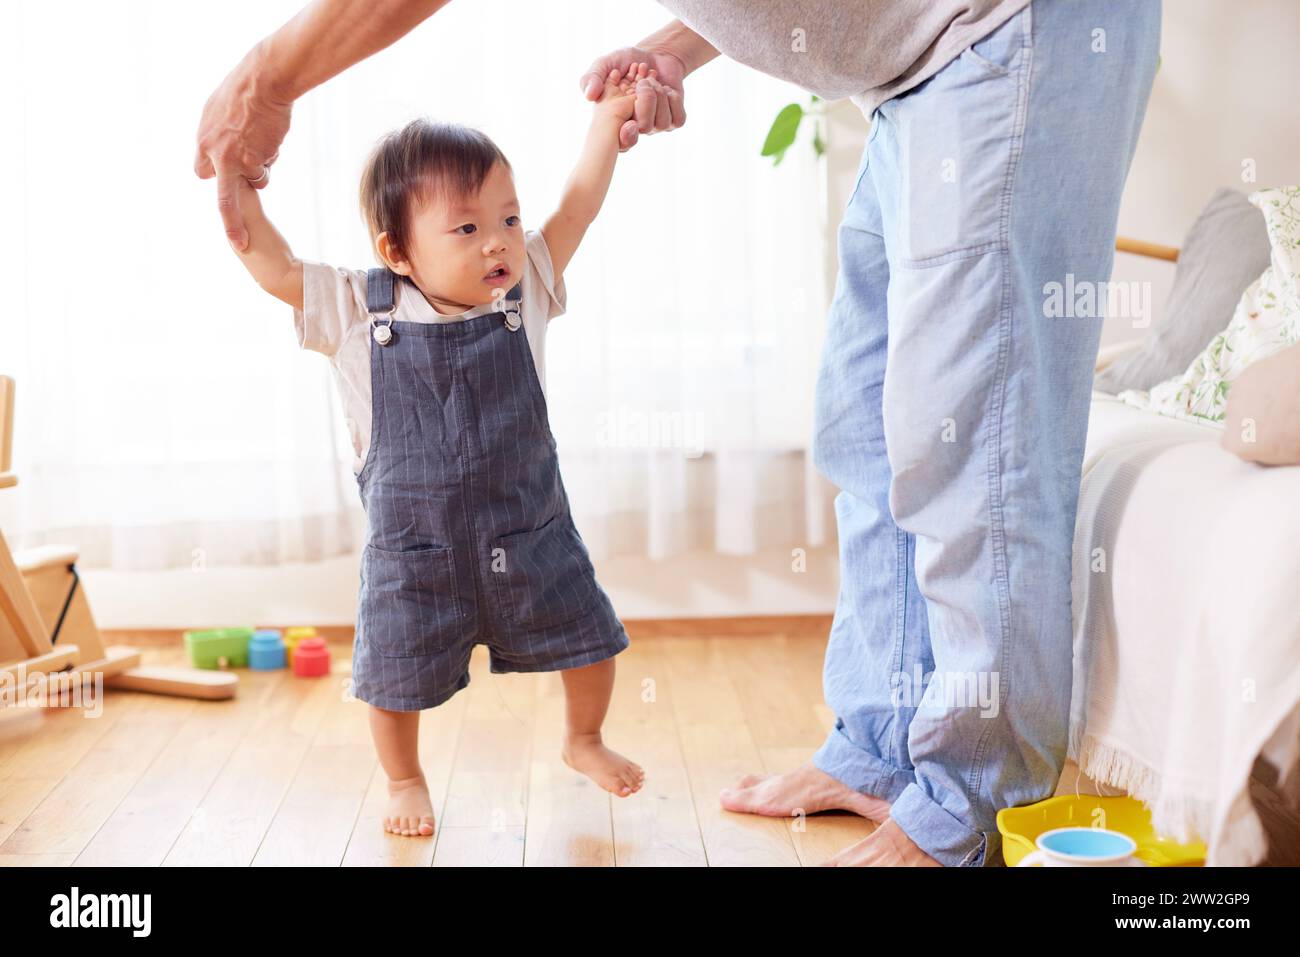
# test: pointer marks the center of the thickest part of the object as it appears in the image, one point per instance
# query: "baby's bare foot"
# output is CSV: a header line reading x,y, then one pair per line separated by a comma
x,y
616,774
410,811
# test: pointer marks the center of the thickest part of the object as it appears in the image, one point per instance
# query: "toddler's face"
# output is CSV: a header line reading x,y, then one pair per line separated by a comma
x,y
460,245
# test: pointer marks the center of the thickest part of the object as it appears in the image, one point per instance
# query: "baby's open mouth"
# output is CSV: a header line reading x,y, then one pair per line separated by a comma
x,y
499,273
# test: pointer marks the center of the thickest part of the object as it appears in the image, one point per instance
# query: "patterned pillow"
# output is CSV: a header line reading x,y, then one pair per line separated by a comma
x,y
1266,320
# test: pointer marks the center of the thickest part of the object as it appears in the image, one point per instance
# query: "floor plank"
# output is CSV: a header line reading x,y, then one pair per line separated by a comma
x,y
490,772
719,748
230,822
154,813
658,827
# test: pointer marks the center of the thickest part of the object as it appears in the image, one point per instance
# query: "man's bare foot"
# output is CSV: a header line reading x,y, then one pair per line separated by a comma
x,y
616,774
410,811
886,846
806,789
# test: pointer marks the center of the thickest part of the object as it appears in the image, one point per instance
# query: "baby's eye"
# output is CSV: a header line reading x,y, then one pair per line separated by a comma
x,y
468,226
512,220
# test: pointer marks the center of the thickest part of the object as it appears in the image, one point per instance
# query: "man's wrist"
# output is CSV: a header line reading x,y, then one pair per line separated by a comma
x,y
683,44
265,77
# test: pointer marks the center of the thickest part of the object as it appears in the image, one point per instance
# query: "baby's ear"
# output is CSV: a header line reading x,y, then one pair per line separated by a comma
x,y
390,256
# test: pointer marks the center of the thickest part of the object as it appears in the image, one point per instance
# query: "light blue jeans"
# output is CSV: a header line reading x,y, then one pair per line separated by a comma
x,y
952,408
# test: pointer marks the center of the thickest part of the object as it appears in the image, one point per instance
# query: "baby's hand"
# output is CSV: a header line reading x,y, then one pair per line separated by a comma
x,y
249,200
618,99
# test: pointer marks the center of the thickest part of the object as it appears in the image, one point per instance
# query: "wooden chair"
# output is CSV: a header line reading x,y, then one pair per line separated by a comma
x,y
47,630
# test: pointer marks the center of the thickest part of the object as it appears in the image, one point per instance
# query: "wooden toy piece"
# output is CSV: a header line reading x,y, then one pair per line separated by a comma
x,y
219,648
294,635
181,682
48,609
311,659
266,650
45,622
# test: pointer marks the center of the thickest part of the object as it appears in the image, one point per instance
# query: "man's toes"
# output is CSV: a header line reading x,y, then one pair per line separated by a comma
x,y
740,799
749,780
836,859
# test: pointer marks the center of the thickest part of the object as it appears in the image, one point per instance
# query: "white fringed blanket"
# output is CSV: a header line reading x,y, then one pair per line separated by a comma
x,y
1186,601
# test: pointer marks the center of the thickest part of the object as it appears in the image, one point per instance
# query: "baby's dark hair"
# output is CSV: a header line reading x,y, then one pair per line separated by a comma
x,y
423,160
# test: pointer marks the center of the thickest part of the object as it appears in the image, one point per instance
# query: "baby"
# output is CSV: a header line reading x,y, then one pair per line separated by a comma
x,y
438,357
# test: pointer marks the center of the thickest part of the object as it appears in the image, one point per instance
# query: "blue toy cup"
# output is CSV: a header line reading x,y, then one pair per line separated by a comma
x,y
1083,847
266,650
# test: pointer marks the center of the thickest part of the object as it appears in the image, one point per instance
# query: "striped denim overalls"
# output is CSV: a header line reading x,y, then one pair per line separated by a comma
x,y
469,535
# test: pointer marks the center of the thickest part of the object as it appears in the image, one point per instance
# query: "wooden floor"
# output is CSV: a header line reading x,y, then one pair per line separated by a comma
x,y
285,773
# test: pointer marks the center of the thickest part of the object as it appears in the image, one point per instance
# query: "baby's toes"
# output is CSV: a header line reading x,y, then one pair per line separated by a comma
x,y
632,776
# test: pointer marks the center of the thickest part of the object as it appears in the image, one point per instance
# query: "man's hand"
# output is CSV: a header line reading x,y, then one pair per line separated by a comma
x,y
243,125
659,106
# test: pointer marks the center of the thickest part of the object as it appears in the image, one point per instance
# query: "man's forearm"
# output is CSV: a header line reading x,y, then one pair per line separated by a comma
x,y
682,42
328,36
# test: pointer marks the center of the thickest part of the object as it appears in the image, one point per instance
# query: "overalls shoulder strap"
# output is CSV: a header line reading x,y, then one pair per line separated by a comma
x,y
380,302
379,289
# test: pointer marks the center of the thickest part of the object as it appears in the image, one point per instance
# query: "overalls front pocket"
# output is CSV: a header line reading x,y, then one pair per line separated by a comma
x,y
543,577
409,603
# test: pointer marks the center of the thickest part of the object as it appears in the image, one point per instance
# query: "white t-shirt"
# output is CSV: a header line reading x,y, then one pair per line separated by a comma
x,y
335,323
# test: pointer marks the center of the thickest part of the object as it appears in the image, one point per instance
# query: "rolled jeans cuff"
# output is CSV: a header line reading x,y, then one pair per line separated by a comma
x,y
861,770
936,831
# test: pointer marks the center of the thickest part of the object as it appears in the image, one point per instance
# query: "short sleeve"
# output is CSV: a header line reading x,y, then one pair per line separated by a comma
x,y
539,261
333,300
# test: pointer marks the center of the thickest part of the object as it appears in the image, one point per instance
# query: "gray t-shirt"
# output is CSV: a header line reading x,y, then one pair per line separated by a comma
x,y
868,50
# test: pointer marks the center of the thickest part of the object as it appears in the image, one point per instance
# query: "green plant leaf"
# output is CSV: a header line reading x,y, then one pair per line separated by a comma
x,y
783,131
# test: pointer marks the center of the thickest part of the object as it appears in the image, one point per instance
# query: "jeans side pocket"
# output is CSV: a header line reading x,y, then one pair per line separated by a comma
x,y
956,142
999,52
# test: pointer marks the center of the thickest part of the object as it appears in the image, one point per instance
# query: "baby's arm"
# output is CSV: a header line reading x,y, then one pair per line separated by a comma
x,y
267,256
585,191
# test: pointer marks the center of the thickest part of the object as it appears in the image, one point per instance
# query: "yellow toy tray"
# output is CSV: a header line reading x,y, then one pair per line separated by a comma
x,y
1020,827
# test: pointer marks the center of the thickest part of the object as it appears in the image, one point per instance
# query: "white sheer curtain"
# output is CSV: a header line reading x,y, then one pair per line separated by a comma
x,y
166,415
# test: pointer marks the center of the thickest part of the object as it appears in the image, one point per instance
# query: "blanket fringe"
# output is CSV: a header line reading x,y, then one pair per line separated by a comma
x,y
1178,817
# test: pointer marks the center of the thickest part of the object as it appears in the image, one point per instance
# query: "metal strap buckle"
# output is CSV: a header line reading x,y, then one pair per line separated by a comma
x,y
383,334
